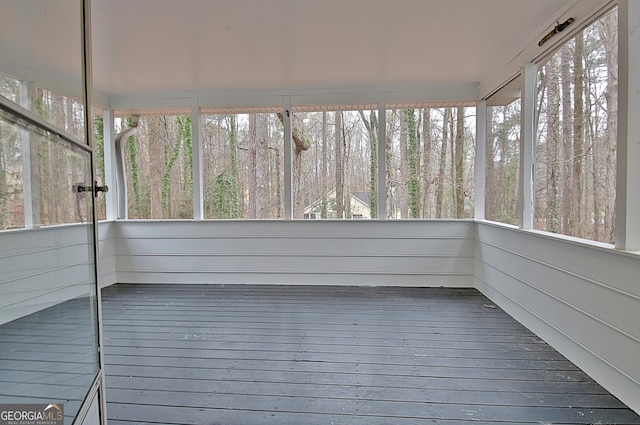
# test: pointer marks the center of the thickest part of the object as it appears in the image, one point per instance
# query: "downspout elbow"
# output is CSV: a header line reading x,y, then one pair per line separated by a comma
x,y
121,176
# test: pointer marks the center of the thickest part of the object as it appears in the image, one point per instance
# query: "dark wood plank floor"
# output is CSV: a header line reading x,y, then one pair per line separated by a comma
x,y
248,355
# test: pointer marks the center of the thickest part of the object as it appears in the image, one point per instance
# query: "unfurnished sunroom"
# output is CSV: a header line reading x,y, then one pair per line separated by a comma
x,y
297,212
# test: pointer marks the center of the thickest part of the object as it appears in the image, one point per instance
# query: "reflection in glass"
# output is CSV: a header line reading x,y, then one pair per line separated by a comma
x,y
48,325
10,88
40,175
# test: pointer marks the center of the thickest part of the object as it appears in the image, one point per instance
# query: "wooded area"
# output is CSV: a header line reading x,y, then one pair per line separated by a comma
x,y
576,121
575,179
429,155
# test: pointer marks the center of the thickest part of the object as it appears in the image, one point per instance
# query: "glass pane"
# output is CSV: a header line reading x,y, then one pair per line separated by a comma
x,y
11,177
48,325
159,167
64,112
10,88
99,171
503,154
38,179
242,166
41,52
430,162
332,173
577,133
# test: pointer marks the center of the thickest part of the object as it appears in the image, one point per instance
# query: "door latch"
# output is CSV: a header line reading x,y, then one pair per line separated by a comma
x,y
81,188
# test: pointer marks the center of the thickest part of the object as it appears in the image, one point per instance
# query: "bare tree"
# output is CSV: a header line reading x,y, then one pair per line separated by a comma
x,y
339,165
459,164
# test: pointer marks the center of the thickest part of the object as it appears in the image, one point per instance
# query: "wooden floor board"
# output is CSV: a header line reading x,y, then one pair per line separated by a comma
x,y
233,355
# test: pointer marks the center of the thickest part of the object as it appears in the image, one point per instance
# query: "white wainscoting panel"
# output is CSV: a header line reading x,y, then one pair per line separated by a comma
x,y
42,267
107,252
402,253
582,298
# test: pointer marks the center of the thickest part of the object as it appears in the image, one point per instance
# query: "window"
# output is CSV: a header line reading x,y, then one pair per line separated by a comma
x,y
64,112
430,162
158,166
335,162
243,165
576,135
503,154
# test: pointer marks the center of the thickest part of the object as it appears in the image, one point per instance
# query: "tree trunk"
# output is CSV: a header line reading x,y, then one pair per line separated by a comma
x,y
236,199
301,143
608,29
262,167
490,204
339,166
578,137
325,169
277,182
459,164
390,184
413,165
172,146
371,125
426,163
186,206
402,189
567,137
442,163
251,164
552,143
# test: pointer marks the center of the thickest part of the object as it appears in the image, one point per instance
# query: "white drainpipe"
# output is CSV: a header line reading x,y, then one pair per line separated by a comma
x,y
121,176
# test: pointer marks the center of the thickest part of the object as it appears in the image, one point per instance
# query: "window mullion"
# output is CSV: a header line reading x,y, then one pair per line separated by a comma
x,y
527,146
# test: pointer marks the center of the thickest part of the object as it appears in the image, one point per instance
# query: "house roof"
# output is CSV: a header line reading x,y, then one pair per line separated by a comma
x,y
361,197
168,49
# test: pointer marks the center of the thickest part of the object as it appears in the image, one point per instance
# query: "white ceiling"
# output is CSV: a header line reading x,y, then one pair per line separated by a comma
x,y
143,46
161,48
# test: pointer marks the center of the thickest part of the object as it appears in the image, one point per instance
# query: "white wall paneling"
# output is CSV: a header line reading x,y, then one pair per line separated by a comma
x,y
399,253
107,253
583,299
42,267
